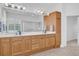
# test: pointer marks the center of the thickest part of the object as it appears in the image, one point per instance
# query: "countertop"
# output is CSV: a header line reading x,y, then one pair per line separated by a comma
x,y
25,34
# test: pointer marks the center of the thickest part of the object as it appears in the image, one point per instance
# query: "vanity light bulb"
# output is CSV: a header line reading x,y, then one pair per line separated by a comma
x,y
24,8
41,12
19,7
13,5
6,4
38,11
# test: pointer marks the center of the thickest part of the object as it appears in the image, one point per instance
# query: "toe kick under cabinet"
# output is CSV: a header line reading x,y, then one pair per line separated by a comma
x,y
26,45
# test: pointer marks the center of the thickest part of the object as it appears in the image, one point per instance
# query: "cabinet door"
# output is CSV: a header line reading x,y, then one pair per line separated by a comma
x,y
27,44
52,41
0,47
5,46
48,43
58,26
17,45
58,40
42,42
58,33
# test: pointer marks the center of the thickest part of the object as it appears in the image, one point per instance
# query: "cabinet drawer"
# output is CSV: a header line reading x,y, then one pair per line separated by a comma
x,y
35,40
16,39
34,43
50,36
35,46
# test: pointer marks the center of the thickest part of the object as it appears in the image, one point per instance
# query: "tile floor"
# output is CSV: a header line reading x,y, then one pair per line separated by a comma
x,y
72,49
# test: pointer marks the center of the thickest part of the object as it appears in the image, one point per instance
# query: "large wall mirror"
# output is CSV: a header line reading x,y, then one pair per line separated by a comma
x,y
26,22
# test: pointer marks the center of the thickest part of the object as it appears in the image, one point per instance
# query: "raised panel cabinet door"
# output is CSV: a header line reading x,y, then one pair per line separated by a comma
x,y
58,26
0,47
5,46
48,43
58,33
17,45
58,40
42,42
27,44
52,41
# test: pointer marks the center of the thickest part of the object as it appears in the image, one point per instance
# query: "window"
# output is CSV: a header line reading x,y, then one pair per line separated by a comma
x,y
11,26
0,26
17,27
14,27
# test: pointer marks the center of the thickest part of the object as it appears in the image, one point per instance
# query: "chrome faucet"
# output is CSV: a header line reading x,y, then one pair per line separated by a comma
x,y
18,33
44,31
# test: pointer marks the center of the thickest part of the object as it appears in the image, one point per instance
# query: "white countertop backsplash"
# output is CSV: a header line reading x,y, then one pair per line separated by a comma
x,y
25,34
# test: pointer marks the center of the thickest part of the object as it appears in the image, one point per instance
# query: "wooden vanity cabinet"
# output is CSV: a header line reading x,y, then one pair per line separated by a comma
x,y
17,45
5,48
50,41
54,19
58,28
26,45
42,42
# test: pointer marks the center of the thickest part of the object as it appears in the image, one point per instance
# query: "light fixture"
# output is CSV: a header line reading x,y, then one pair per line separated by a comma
x,y
15,6
39,11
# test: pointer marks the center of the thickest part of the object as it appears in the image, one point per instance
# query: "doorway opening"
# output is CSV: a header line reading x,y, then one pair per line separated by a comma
x,y
72,31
